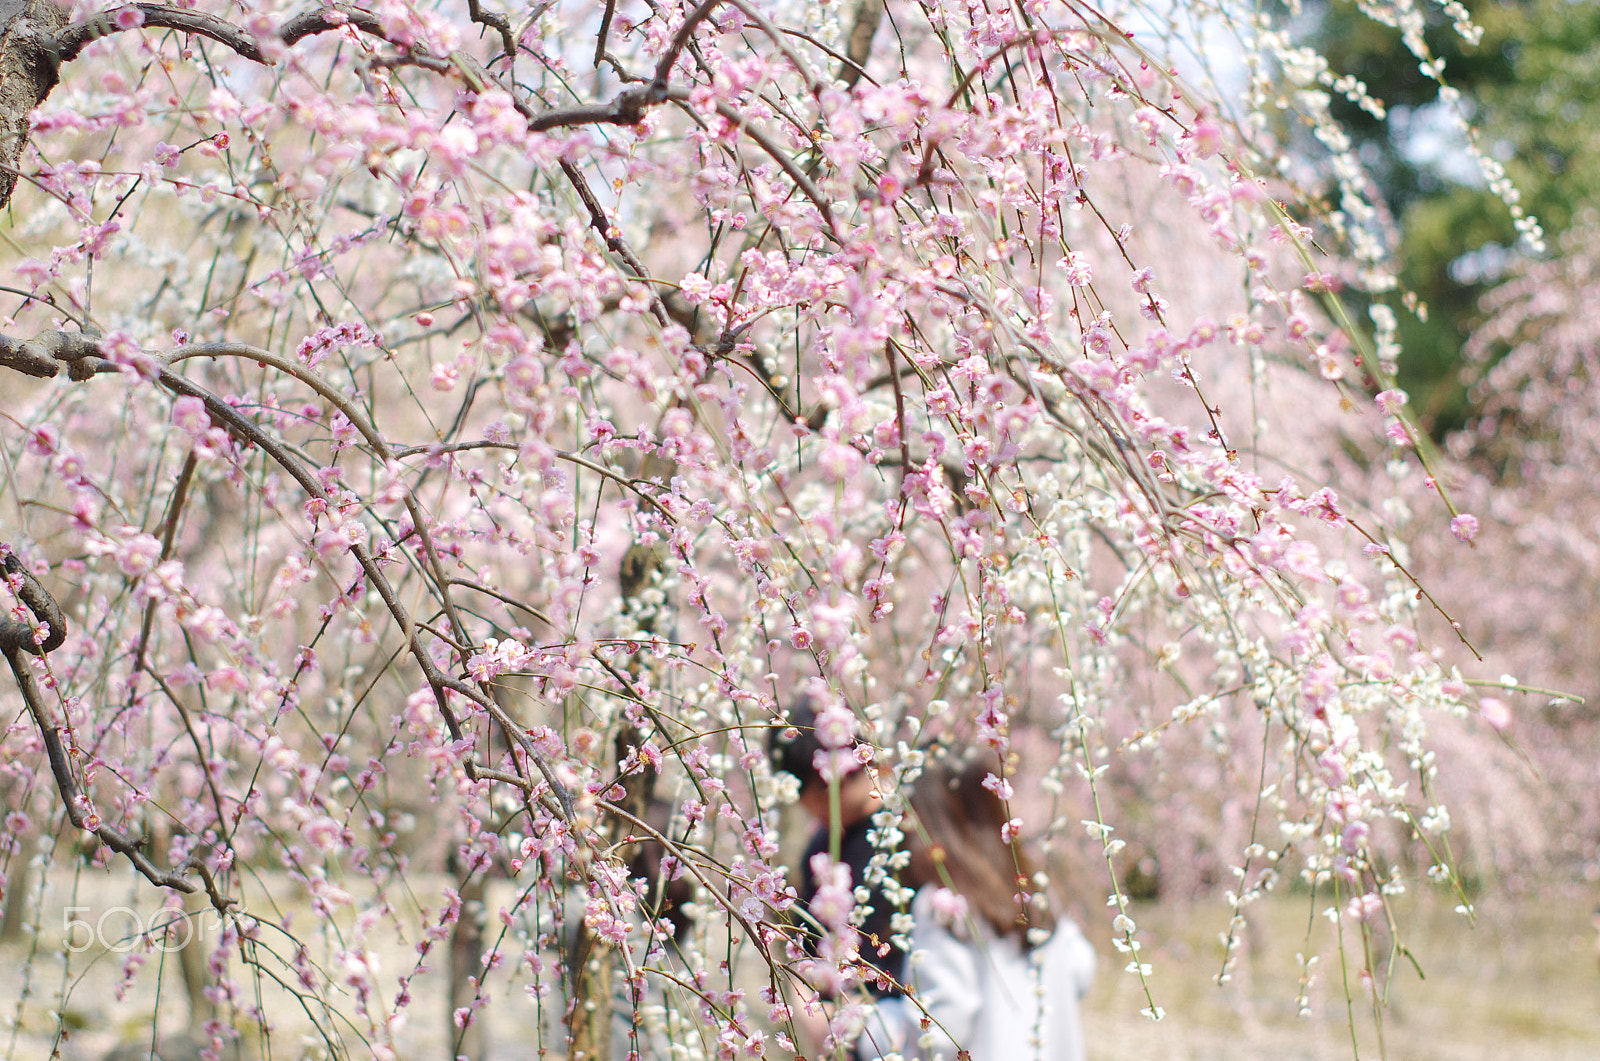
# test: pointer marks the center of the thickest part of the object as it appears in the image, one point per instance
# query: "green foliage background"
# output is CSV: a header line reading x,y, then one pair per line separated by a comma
x,y
1531,85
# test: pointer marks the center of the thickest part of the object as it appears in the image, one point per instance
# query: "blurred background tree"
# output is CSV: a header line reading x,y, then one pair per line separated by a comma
x,y
1526,88
1502,366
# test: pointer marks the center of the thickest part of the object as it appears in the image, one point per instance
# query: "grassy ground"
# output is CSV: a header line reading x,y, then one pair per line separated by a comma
x,y
1522,984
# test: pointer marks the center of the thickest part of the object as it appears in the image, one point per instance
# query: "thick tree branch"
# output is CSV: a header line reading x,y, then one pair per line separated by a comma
x,y
27,358
19,636
605,33
28,71
326,19
628,108
497,22
43,355
75,37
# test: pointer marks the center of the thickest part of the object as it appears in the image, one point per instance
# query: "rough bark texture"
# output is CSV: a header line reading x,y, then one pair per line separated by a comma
x,y
28,65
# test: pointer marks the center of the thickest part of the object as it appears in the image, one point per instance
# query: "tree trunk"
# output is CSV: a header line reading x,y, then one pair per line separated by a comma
x,y
16,907
28,67
466,970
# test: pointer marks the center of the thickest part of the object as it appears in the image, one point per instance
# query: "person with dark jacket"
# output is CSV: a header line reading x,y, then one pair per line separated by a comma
x,y
843,828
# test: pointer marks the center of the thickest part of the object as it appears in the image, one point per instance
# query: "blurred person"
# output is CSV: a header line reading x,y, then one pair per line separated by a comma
x,y
997,973
800,751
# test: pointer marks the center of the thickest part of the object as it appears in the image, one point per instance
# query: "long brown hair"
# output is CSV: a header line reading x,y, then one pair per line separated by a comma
x,y
965,850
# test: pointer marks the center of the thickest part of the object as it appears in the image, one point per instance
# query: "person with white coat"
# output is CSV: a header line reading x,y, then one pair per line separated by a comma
x,y
994,972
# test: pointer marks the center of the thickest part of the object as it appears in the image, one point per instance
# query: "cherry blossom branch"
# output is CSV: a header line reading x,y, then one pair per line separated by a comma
x,y
437,680
18,639
518,734
850,71
23,637
784,161
180,493
77,36
72,40
626,108
1422,591
380,447
422,62
328,18
1535,690
497,22
680,41
41,356
631,485
683,858
434,448
194,739
85,364
508,601
38,40
776,36
613,236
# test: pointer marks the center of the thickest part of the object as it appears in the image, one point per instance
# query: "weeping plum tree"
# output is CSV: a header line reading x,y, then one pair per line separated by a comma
x,y
1532,451
441,441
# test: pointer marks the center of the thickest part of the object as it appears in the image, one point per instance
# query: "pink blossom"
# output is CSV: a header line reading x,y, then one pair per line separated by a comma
x,y
758,382
1000,786
1390,401
124,351
208,624
836,726
323,833
444,377
1364,907
189,414
137,553
1205,136
1495,712
1075,269
228,680
43,440
949,906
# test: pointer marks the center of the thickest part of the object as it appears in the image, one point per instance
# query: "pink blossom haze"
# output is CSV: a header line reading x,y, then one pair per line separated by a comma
x,y
442,440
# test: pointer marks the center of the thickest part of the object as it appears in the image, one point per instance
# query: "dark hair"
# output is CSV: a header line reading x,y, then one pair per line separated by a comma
x,y
963,821
797,754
